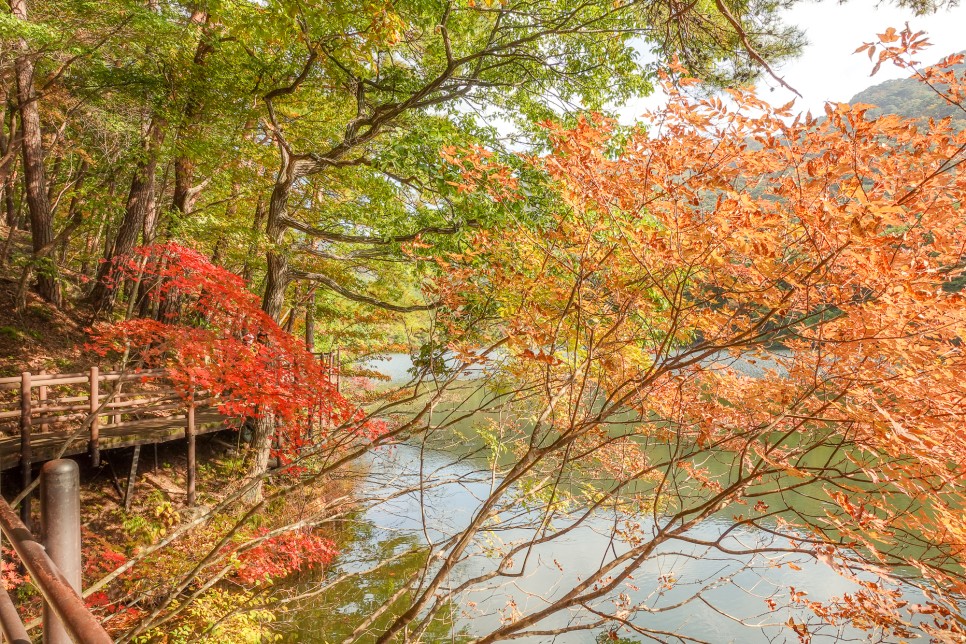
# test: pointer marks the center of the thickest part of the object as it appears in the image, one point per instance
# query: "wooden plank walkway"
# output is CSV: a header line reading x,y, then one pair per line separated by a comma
x,y
41,413
46,445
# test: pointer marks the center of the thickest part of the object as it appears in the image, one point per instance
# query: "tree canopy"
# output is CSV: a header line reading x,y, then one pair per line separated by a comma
x,y
729,331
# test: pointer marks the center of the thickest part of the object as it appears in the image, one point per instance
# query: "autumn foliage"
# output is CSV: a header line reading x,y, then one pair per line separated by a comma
x,y
215,341
826,255
278,556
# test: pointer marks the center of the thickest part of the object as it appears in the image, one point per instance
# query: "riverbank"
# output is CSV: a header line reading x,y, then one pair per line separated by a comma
x,y
171,572
194,574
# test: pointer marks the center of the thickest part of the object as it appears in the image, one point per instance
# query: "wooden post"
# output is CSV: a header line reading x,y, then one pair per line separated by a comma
x,y
132,479
114,480
338,370
189,433
42,398
25,455
95,448
116,418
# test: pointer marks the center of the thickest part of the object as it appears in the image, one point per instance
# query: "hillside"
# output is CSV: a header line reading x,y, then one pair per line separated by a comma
x,y
911,98
40,336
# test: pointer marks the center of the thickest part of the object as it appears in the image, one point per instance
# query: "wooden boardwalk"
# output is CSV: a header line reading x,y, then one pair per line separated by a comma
x,y
46,415
42,414
47,445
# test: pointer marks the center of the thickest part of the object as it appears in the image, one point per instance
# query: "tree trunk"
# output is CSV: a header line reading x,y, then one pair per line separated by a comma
x,y
140,207
248,269
94,243
310,322
169,308
185,193
184,196
148,305
74,220
9,187
35,180
149,226
149,233
261,449
276,281
54,173
9,151
216,252
276,276
74,215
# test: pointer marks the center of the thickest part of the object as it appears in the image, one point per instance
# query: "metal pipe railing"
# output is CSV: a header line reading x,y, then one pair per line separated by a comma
x,y
60,533
13,629
60,595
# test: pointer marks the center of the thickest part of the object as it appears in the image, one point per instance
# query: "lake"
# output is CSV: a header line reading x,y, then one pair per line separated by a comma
x,y
737,586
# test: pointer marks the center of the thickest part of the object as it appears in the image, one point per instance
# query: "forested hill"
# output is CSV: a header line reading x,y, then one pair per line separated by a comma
x,y
912,98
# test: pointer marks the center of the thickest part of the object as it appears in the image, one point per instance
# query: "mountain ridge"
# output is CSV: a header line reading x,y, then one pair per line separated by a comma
x,y
910,98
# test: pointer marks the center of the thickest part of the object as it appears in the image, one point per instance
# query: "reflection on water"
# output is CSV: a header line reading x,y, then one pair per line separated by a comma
x,y
728,592
397,366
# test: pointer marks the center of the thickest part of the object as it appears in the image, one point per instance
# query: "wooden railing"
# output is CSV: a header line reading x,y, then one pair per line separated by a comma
x,y
117,407
35,405
332,360
54,564
48,402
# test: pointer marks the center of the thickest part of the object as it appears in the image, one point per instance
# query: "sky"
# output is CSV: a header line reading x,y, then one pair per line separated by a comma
x,y
827,69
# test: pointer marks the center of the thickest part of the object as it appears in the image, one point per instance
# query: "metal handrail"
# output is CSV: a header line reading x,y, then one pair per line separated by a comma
x,y
10,623
55,588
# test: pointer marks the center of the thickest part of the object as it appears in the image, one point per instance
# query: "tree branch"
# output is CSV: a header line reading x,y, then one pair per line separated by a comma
x,y
366,239
749,48
358,297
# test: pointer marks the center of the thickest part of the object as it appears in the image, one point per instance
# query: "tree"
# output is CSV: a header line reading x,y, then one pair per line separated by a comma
x,y
218,344
178,97
367,178
521,61
737,336
823,249
35,178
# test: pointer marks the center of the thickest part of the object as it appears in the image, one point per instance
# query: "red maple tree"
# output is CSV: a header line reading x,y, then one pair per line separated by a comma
x,y
214,341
